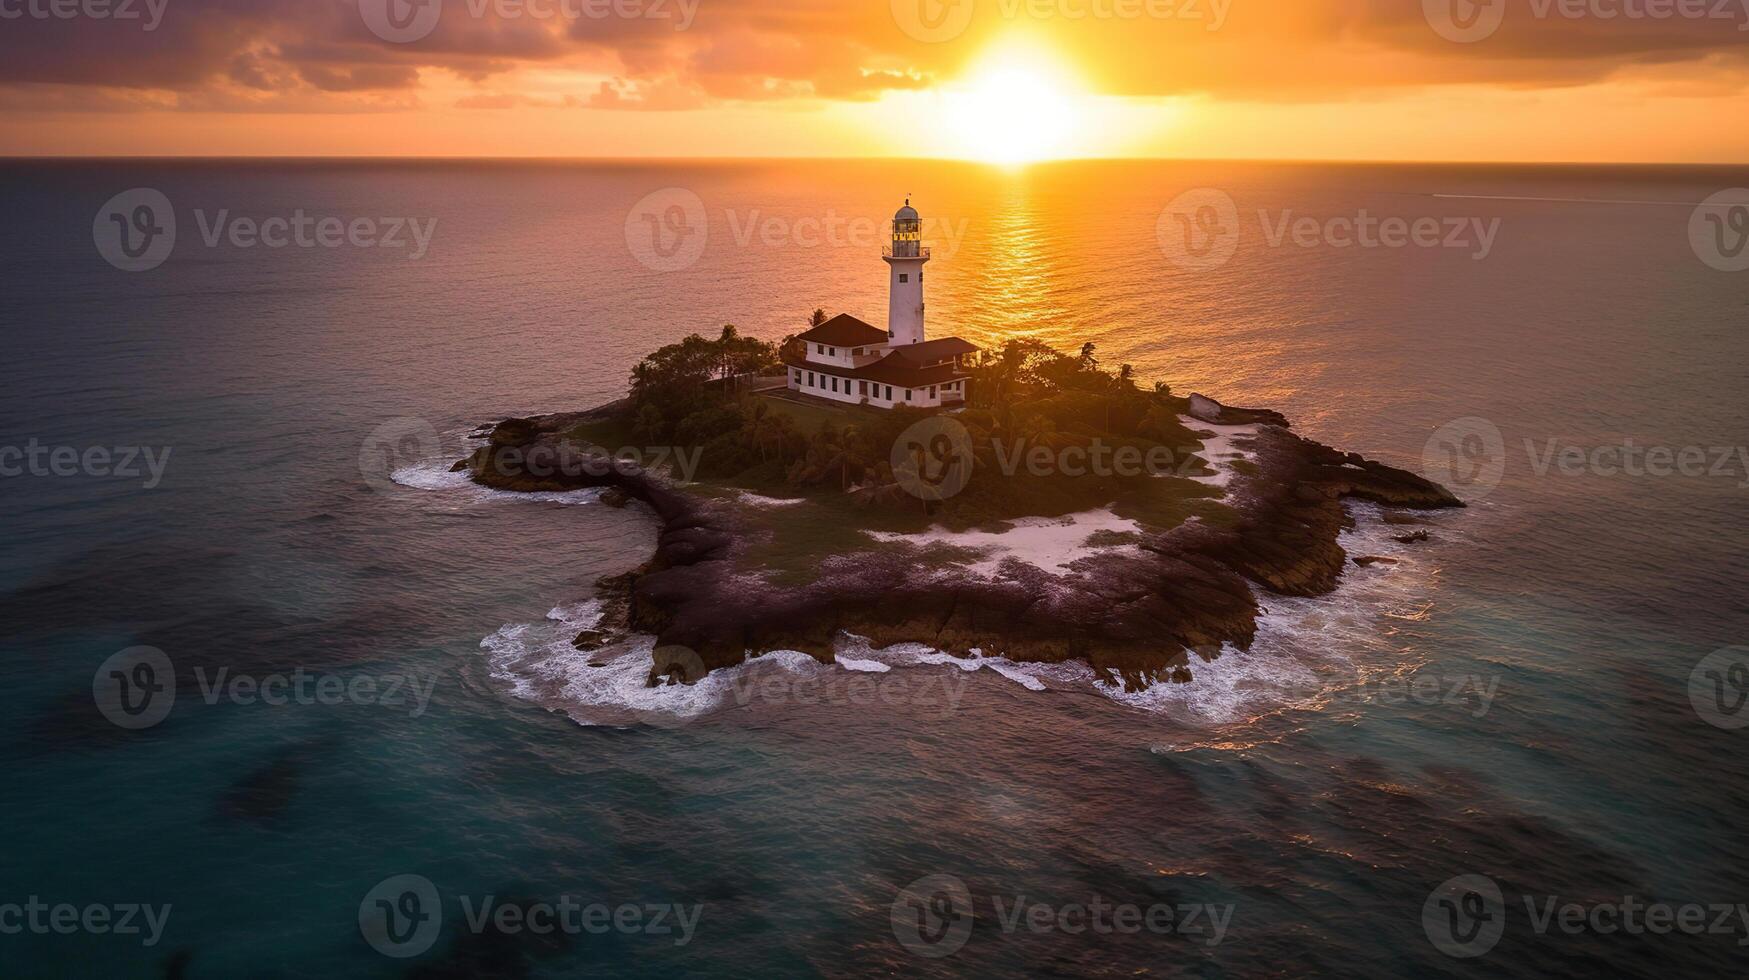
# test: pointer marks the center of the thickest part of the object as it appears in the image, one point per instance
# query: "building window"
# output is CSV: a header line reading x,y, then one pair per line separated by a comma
x,y
819,348
798,377
834,385
904,278
832,351
889,392
907,394
810,379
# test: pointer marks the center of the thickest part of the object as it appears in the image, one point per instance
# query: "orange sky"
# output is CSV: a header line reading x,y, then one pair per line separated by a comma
x,y
1006,80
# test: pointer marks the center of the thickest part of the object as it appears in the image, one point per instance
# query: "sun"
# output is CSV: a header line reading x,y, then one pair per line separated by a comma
x,y
1015,107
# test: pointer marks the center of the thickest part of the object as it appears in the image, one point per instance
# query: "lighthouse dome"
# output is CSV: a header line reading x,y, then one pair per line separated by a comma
x,y
906,213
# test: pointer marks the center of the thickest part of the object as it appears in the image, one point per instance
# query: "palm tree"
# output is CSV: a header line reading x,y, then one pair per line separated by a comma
x,y
1042,430
758,424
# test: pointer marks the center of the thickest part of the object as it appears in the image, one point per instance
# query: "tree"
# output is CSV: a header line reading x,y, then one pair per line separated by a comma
x,y
818,319
759,425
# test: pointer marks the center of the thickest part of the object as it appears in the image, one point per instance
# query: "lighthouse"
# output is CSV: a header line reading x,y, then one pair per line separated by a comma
x,y
905,259
848,361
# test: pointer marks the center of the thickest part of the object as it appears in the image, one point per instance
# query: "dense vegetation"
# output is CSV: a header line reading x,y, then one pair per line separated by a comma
x,y
697,394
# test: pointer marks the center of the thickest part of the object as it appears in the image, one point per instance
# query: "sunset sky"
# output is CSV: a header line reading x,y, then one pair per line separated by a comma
x,y
999,80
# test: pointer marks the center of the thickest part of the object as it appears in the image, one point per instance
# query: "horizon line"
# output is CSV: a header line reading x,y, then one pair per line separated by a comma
x,y
1009,166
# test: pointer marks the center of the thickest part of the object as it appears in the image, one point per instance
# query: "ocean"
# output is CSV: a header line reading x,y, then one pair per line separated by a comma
x,y
377,698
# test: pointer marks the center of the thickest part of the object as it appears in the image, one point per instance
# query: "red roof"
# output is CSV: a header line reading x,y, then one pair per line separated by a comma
x,y
936,351
889,370
845,330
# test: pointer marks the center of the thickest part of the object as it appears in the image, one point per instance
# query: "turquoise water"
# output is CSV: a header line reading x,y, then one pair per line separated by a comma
x,y
1297,788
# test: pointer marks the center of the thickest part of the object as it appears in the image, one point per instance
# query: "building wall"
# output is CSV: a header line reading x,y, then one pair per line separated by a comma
x,y
843,356
850,391
905,301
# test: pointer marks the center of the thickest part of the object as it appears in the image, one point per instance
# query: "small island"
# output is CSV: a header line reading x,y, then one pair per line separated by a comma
x,y
1043,508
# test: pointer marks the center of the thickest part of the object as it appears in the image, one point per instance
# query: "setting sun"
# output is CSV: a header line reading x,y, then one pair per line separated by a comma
x,y
1015,108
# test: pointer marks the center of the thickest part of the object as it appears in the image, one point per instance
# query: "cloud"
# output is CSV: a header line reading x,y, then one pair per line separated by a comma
x,y
670,54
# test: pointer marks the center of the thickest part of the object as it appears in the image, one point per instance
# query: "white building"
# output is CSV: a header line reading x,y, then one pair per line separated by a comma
x,y
847,360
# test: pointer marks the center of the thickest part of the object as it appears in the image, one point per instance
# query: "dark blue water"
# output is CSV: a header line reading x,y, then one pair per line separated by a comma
x,y
1511,701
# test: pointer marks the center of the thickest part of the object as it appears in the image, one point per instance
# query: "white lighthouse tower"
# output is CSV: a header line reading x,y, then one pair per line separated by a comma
x,y
905,258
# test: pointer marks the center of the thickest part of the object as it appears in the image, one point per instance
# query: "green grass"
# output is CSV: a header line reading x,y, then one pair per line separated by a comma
x,y
810,415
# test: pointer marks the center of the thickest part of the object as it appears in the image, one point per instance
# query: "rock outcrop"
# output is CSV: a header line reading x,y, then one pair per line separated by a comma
x,y
1135,615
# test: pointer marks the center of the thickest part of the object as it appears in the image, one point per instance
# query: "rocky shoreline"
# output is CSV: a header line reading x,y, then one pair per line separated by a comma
x,y
1134,615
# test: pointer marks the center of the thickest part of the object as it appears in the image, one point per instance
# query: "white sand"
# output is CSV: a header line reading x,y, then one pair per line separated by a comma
x,y
1221,450
1045,543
